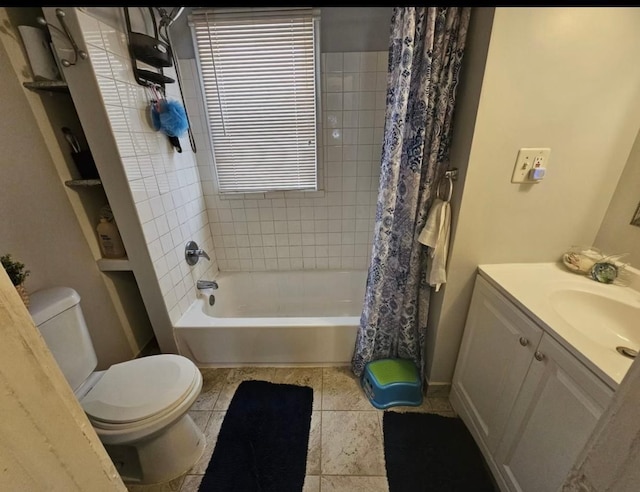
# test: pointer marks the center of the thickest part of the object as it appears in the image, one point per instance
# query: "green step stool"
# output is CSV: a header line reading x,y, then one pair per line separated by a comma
x,y
392,382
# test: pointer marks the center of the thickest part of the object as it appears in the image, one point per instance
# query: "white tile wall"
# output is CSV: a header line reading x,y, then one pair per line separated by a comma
x,y
329,229
175,192
165,184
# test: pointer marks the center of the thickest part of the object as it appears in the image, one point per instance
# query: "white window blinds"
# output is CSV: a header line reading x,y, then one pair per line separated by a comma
x,y
258,69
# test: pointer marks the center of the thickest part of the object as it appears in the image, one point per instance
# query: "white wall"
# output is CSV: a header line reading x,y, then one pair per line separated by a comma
x,y
355,28
38,225
468,96
164,184
332,228
563,78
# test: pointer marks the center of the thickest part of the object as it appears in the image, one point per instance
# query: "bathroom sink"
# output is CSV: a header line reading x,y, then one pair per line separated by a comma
x,y
597,322
604,320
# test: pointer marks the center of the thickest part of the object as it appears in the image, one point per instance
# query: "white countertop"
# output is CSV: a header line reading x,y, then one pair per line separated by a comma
x,y
531,286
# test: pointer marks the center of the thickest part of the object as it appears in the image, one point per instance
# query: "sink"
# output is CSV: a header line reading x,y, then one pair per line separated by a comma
x,y
606,321
593,320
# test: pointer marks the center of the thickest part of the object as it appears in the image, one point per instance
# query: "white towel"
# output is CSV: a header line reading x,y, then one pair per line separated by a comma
x,y
435,234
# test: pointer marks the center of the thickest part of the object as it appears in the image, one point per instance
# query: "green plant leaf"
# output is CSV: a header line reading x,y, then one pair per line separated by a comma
x,y
15,269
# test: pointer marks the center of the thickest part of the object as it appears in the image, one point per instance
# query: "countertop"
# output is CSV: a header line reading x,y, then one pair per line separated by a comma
x,y
531,286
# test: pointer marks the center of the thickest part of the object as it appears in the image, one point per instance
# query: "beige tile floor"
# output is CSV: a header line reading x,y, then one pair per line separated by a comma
x,y
345,443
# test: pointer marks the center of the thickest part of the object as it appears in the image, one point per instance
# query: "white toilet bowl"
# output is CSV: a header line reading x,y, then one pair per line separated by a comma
x,y
138,408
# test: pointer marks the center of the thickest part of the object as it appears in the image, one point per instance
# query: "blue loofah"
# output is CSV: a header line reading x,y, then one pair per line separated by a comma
x,y
173,118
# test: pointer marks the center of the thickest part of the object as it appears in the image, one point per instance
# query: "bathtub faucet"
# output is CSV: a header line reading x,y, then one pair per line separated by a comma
x,y
199,252
192,253
206,284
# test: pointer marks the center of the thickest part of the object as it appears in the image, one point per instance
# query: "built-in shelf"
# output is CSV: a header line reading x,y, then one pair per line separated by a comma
x,y
114,265
47,86
83,182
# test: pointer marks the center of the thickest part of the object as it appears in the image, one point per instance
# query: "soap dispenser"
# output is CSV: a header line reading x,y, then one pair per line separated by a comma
x,y
109,237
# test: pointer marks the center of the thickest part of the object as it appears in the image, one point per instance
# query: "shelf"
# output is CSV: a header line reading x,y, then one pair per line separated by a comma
x,y
114,265
154,77
83,182
47,86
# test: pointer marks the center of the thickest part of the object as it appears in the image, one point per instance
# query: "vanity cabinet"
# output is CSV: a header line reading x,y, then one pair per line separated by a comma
x,y
497,348
528,401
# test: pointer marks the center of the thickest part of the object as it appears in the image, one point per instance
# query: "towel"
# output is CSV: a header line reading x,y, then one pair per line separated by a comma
x,y
435,234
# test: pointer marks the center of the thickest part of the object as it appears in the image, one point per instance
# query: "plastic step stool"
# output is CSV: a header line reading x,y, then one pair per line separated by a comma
x,y
392,382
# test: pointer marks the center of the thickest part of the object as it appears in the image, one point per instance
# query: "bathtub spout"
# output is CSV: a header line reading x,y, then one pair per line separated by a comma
x,y
206,284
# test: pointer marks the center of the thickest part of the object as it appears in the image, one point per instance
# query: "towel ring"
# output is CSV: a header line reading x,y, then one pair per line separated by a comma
x,y
449,180
450,175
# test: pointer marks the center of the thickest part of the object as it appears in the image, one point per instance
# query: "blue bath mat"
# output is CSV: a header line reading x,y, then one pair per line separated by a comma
x,y
262,444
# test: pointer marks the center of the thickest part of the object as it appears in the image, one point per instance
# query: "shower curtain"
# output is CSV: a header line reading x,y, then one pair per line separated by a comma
x,y
425,54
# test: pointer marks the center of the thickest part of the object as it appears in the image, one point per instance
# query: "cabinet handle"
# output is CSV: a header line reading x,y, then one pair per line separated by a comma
x,y
538,355
524,342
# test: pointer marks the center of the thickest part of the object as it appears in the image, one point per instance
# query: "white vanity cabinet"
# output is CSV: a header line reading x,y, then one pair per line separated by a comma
x,y
556,410
497,348
529,402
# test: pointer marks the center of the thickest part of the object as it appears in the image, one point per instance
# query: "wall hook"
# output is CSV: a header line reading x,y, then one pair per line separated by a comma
x,y
67,34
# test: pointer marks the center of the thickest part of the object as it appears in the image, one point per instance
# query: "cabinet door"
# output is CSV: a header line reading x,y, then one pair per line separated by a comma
x,y
495,354
555,413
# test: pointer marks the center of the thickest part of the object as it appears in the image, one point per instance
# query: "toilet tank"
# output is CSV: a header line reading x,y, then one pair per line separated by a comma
x,y
57,314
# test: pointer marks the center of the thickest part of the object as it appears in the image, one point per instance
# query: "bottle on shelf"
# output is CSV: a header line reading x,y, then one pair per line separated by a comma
x,y
109,237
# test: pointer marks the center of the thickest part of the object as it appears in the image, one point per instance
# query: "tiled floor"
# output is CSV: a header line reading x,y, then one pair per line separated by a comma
x,y
345,443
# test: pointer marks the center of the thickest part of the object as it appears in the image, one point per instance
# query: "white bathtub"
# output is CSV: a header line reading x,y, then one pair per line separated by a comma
x,y
307,317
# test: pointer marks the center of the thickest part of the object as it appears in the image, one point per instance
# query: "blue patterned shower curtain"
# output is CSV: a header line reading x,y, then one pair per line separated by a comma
x,y
425,55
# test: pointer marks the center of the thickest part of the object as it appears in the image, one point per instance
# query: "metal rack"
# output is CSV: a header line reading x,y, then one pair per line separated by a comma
x,y
150,51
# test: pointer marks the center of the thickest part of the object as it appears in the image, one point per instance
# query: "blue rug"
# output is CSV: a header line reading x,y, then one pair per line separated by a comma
x,y
263,440
425,452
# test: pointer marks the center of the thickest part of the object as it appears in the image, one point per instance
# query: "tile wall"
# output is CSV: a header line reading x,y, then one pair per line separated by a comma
x,y
175,194
165,184
328,229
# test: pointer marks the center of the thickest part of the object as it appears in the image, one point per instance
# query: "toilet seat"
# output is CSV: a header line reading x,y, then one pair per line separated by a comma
x,y
133,393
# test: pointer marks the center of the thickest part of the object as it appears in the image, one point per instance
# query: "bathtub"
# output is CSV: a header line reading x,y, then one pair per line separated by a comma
x,y
306,317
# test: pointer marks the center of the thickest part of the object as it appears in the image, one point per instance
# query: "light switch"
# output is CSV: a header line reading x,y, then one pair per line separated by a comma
x,y
531,165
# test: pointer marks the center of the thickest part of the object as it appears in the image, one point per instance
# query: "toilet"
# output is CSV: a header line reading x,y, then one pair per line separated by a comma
x,y
138,408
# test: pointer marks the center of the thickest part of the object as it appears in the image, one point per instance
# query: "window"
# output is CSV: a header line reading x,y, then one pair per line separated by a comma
x,y
258,68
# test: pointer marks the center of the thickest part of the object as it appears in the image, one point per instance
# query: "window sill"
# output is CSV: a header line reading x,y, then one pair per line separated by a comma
x,y
271,194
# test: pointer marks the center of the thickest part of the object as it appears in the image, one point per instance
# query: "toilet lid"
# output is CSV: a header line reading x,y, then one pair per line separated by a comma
x,y
140,388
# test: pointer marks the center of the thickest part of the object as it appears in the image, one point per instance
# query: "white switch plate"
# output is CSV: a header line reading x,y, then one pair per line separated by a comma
x,y
526,160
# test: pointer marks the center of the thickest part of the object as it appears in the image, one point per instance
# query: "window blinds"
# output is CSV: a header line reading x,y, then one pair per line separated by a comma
x,y
258,69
